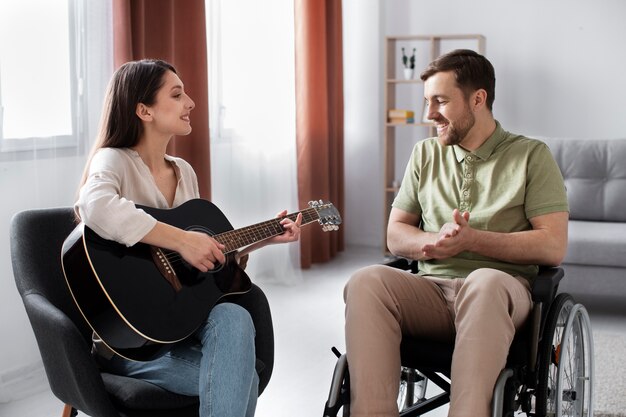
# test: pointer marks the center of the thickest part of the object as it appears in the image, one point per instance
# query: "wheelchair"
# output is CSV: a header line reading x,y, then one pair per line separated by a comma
x,y
549,370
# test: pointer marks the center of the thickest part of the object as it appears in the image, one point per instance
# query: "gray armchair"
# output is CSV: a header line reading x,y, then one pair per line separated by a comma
x,y
64,338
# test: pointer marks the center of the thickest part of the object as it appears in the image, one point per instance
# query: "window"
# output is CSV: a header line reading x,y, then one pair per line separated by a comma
x,y
251,70
41,74
253,119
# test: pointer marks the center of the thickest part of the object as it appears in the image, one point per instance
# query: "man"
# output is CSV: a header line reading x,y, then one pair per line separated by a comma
x,y
479,208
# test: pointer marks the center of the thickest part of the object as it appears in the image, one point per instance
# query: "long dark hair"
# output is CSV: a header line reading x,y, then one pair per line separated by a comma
x,y
133,83
472,71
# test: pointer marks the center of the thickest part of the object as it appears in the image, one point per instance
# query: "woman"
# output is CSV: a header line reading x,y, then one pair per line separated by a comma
x,y
145,106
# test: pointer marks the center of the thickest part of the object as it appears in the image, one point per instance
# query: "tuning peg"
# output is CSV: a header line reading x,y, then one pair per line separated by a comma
x,y
329,227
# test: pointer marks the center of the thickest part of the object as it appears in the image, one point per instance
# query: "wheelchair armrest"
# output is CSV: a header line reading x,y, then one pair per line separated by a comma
x,y
543,291
71,370
403,263
546,284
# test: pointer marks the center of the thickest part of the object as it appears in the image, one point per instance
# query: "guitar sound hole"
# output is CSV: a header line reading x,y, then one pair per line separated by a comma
x,y
196,275
218,267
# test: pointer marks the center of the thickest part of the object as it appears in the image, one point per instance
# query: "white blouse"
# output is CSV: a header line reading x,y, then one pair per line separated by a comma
x,y
118,179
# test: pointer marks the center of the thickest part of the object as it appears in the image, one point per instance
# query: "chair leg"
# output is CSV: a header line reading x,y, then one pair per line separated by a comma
x,y
69,411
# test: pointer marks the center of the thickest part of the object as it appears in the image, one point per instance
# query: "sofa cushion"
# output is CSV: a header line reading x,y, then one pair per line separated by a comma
x,y
595,176
596,243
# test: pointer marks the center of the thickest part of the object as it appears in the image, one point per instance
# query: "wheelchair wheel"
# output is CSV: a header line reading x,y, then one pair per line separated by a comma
x,y
513,397
339,396
412,388
565,369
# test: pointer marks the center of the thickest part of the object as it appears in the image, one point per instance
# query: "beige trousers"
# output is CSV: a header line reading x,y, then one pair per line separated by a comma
x,y
480,313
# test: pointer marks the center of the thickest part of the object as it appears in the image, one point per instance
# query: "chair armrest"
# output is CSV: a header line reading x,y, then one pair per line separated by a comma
x,y
72,372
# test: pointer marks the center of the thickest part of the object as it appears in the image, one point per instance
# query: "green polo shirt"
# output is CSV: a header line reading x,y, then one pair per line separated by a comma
x,y
504,183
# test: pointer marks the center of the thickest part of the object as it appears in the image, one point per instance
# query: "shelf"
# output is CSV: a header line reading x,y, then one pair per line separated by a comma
x,y
410,124
403,81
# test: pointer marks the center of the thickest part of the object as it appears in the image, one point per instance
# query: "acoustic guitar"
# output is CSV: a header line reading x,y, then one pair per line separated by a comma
x,y
141,299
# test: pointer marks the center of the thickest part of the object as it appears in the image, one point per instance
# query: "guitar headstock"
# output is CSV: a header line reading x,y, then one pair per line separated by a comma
x,y
329,217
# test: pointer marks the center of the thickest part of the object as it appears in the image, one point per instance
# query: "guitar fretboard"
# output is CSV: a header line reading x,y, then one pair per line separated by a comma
x,y
236,239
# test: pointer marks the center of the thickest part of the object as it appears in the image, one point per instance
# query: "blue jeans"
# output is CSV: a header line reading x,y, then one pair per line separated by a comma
x,y
217,364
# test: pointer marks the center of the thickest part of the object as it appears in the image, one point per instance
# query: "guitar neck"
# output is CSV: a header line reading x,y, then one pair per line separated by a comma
x,y
240,238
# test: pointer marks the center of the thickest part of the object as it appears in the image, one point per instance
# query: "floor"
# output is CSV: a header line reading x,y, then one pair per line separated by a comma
x,y
308,321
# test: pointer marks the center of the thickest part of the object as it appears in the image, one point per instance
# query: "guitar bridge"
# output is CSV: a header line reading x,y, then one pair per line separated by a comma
x,y
165,267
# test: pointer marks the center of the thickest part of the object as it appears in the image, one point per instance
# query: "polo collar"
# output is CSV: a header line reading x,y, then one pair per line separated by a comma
x,y
486,149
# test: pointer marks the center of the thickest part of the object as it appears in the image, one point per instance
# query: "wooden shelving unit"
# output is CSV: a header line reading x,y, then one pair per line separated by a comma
x,y
429,47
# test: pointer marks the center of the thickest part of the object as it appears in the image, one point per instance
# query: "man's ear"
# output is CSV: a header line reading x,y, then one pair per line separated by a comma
x,y
143,112
479,99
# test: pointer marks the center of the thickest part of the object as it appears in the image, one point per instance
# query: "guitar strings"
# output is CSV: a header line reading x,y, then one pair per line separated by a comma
x,y
234,239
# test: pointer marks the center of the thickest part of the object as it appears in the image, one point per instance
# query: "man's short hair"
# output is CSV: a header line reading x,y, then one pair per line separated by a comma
x,y
471,70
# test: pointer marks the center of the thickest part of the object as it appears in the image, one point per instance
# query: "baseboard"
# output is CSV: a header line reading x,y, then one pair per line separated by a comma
x,y
19,383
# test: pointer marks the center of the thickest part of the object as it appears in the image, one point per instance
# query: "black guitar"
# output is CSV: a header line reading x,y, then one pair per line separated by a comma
x,y
140,299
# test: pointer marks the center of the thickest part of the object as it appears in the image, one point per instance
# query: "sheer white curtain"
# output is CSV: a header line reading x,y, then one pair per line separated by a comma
x,y
55,62
252,110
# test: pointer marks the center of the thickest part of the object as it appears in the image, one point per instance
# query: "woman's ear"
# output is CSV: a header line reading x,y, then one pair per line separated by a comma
x,y
143,112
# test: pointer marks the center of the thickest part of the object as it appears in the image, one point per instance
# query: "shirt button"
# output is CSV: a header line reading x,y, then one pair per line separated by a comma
x,y
465,193
469,158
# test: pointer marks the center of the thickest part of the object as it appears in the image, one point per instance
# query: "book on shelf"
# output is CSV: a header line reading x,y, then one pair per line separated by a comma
x,y
401,120
399,113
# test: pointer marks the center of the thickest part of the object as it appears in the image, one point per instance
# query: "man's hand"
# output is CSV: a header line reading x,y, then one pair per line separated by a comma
x,y
454,237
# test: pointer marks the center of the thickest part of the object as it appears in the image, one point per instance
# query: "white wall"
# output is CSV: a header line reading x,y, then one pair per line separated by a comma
x,y
363,127
35,182
559,72
559,67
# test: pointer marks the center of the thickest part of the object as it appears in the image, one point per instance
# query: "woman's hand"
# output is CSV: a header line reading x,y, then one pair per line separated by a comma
x,y
291,234
292,229
201,251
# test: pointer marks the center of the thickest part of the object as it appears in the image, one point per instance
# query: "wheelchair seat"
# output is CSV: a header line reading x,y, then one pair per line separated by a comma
x,y
437,356
534,372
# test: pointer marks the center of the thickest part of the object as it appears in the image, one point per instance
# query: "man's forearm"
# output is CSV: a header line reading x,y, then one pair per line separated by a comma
x,y
407,241
531,247
544,244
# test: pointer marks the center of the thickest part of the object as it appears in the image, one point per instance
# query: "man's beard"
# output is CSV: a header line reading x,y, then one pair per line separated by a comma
x,y
455,133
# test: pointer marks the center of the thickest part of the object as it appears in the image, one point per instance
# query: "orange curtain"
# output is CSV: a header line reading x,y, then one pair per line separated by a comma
x,y
319,119
174,31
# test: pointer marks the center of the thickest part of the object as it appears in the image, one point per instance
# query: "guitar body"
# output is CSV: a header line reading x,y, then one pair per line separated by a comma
x,y
126,297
